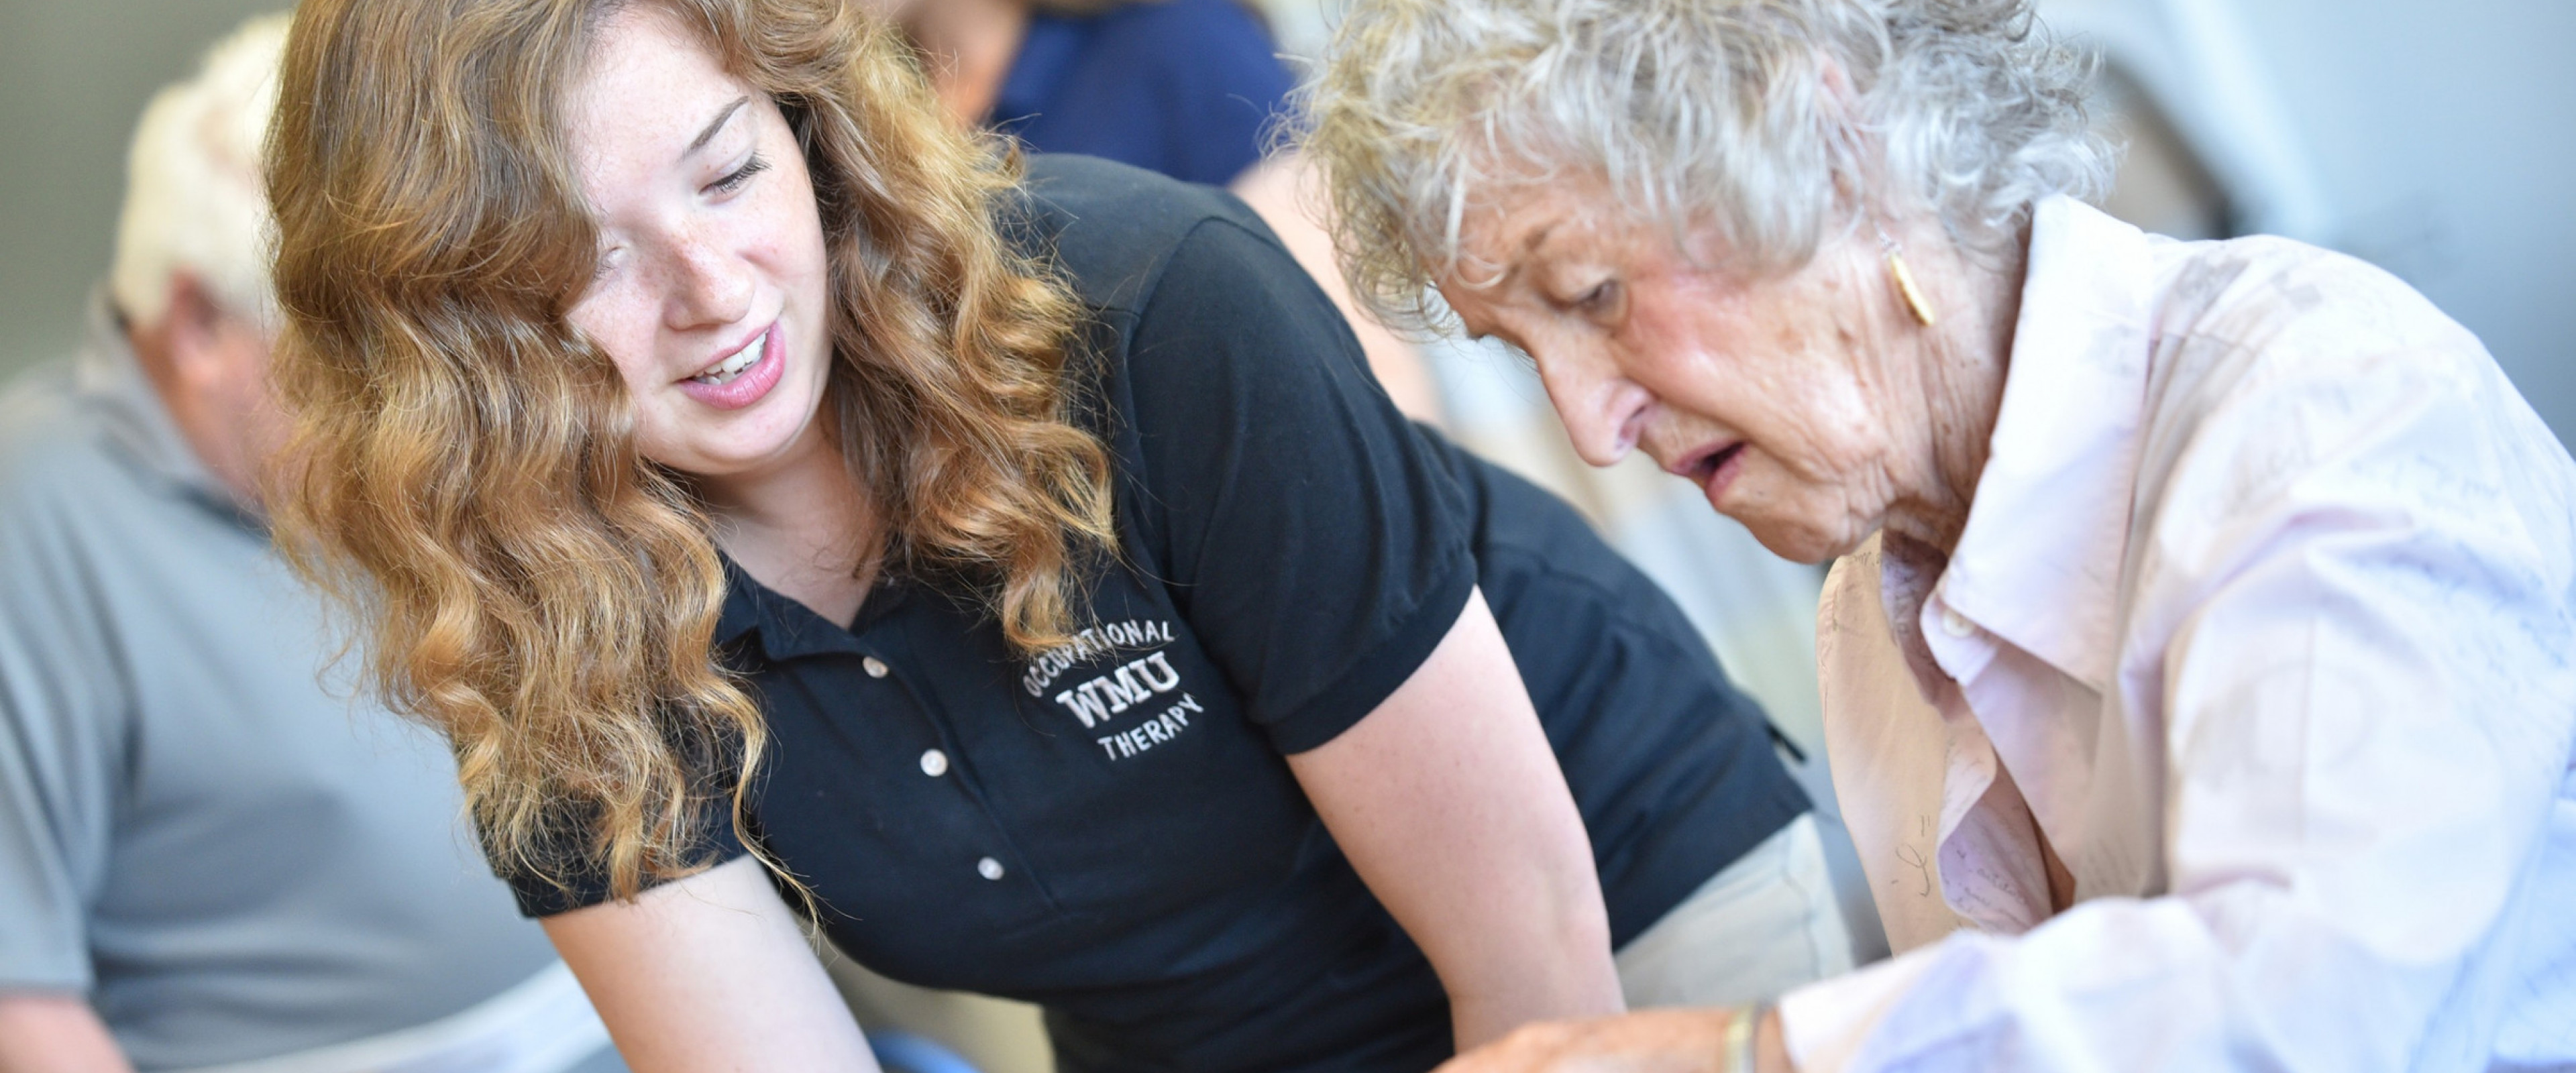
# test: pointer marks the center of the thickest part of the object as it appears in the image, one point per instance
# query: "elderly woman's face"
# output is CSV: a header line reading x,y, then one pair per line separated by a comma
x,y
711,295
1763,392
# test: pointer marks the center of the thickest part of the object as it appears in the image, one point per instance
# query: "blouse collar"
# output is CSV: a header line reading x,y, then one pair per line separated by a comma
x,y
2039,561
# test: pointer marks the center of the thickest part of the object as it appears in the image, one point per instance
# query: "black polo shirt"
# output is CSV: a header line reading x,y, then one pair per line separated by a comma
x,y
1111,830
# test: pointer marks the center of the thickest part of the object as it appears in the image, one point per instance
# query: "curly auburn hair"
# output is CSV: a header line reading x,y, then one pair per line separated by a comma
x,y
464,476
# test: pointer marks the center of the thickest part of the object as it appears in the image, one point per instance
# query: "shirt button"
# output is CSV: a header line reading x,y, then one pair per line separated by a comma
x,y
934,763
1956,624
989,868
876,668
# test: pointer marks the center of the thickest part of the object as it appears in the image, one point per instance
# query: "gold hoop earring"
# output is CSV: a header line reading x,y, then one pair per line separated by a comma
x,y
1904,278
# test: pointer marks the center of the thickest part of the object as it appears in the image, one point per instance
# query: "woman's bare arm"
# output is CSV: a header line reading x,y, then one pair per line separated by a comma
x,y
1450,804
710,973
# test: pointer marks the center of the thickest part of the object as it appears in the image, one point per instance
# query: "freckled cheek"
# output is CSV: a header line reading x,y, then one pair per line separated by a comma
x,y
1846,428
1780,335
1806,438
626,349
620,328
795,230
1676,357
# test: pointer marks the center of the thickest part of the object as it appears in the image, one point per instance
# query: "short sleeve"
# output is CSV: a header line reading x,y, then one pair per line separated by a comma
x,y
566,873
61,731
1314,541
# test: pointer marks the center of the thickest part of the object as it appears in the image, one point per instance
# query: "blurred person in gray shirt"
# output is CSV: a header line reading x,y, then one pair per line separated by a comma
x,y
208,860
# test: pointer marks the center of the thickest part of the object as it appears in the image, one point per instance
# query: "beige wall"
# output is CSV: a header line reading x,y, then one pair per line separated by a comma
x,y
74,74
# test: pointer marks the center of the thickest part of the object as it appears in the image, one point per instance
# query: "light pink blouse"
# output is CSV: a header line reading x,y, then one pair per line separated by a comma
x,y
2265,612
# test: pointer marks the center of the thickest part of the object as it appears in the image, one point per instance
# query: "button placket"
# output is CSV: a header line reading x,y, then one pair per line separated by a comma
x,y
935,763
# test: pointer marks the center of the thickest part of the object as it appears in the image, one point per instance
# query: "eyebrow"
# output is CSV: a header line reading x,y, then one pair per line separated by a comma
x,y
1529,245
715,125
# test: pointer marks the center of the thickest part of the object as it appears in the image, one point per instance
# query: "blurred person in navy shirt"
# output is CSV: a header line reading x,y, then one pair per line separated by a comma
x,y
1188,88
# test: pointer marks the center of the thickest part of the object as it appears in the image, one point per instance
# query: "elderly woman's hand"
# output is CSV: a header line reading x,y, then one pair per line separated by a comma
x,y
1652,1041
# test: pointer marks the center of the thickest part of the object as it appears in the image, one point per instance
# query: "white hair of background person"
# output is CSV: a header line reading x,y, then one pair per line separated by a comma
x,y
1693,113
193,199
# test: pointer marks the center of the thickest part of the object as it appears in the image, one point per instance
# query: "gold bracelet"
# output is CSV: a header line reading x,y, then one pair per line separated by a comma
x,y
1740,1054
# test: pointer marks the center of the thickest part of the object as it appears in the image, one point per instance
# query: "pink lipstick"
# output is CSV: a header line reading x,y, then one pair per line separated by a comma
x,y
731,384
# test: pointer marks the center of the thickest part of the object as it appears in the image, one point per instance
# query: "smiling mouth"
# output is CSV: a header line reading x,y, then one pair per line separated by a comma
x,y
725,371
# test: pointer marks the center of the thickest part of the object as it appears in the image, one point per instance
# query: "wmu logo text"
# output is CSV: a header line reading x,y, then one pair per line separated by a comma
x,y
1136,683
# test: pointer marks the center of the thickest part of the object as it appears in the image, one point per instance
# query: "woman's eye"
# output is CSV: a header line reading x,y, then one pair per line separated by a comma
x,y
741,175
1603,298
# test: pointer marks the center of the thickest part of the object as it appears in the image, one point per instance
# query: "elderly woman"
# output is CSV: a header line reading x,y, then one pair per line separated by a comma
x,y
2197,665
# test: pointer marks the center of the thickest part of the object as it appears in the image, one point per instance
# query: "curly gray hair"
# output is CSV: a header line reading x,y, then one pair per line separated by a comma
x,y
1778,122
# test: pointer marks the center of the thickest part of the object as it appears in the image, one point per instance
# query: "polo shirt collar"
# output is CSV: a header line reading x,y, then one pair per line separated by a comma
x,y
790,630
741,611
2038,562
109,379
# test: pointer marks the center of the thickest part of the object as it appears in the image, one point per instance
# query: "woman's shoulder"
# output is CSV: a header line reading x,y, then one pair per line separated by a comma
x,y
2270,334
1111,229
2290,383
2267,293
2267,328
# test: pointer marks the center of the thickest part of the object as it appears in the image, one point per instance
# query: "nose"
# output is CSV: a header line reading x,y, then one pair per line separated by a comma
x,y
709,286
1604,412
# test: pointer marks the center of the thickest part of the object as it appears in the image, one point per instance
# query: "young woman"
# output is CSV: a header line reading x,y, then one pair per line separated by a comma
x,y
768,489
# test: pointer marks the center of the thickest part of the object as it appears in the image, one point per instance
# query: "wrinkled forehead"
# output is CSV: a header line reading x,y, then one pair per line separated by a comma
x,y
1497,226
1507,231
